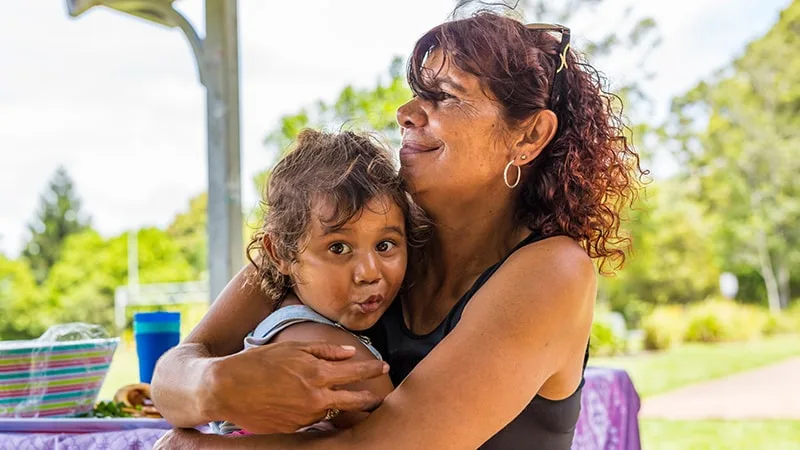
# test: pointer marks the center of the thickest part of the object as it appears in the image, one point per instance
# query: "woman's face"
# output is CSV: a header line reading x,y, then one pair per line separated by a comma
x,y
458,145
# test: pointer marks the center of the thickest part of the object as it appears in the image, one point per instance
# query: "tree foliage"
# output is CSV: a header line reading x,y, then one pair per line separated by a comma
x,y
23,312
81,285
739,144
59,215
673,258
372,109
188,231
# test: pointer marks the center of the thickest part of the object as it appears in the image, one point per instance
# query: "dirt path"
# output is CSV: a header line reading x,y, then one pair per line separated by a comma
x,y
771,392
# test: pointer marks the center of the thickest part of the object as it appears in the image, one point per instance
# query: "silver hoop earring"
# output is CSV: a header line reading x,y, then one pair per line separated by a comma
x,y
505,175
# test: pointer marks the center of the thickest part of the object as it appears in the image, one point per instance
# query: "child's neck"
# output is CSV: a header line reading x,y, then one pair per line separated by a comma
x,y
290,299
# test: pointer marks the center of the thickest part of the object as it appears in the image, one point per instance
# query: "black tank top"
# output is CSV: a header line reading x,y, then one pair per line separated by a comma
x,y
543,424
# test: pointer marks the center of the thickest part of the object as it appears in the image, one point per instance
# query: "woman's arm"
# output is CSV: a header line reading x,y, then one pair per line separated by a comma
x,y
275,388
181,376
523,333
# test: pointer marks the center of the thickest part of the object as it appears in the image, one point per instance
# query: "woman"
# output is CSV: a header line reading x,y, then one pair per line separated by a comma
x,y
514,151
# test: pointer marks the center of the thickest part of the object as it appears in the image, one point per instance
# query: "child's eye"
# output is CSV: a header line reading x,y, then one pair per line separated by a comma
x,y
339,248
385,246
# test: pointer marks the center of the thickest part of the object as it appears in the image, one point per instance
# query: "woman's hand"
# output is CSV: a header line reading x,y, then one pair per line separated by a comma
x,y
182,438
281,387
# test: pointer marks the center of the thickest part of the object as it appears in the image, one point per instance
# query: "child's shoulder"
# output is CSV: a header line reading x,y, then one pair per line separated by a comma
x,y
320,332
300,323
315,331
283,317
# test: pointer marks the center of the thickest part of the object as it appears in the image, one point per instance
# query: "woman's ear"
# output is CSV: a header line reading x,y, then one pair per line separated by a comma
x,y
282,265
536,133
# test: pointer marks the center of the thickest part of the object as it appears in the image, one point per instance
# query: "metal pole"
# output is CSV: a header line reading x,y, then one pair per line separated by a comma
x,y
217,57
221,51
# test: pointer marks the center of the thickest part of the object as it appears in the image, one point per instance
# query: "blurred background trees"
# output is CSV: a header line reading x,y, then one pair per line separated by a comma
x,y
733,205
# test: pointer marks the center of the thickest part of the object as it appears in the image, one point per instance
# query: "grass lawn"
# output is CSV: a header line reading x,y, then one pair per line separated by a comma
x,y
713,435
657,372
124,370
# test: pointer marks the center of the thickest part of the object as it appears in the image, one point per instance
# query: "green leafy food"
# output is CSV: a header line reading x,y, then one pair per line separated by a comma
x,y
108,409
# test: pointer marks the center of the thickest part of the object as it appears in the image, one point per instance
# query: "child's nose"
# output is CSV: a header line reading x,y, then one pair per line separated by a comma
x,y
367,271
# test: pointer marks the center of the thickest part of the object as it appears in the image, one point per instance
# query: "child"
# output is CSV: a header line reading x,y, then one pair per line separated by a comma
x,y
333,249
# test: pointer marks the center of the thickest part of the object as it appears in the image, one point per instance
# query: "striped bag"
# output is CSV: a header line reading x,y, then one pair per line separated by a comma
x,y
52,379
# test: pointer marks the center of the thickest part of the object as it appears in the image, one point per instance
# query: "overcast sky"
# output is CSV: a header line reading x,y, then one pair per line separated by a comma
x,y
116,100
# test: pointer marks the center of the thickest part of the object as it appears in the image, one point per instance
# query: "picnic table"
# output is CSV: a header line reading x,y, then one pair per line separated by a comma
x,y
608,421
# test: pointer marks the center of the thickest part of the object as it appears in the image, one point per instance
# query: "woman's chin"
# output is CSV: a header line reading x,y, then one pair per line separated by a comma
x,y
417,177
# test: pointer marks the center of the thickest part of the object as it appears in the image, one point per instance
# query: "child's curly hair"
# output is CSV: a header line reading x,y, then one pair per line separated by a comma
x,y
348,170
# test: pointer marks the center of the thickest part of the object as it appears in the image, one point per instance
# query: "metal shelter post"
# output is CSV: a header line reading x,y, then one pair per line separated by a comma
x,y
217,58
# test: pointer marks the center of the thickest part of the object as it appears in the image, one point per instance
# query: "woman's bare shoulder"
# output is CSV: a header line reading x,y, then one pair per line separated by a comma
x,y
553,277
559,257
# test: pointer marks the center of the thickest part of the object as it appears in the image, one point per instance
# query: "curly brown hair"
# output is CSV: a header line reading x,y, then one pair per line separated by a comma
x,y
348,170
589,172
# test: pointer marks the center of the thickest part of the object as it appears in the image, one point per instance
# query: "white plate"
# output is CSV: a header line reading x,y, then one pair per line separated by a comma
x,y
78,425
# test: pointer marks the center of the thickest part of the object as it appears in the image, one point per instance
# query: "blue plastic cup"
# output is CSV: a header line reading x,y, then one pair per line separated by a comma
x,y
155,333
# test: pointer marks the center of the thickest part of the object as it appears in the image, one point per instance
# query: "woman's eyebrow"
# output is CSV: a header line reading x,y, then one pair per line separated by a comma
x,y
452,83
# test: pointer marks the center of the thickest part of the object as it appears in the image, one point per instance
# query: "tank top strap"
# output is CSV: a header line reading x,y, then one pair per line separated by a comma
x,y
484,277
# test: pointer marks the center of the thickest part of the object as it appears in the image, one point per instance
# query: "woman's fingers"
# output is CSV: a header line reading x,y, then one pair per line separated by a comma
x,y
346,372
344,400
176,438
331,352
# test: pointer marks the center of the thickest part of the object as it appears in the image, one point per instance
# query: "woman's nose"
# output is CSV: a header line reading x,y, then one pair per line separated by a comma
x,y
412,114
367,270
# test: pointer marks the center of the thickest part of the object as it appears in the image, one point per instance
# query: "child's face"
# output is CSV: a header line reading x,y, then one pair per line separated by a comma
x,y
351,275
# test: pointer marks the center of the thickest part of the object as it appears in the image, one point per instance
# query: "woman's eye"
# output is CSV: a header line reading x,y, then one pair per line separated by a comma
x,y
442,96
339,248
385,246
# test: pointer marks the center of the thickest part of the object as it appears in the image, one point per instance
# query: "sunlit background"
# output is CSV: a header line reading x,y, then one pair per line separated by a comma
x,y
102,133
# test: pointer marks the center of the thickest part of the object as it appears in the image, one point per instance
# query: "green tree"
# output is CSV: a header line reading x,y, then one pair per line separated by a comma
x,y
739,142
23,312
81,284
188,231
372,108
59,215
673,258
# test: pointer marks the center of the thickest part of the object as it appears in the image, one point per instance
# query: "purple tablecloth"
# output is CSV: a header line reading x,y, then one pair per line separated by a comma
x,y
608,421
609,417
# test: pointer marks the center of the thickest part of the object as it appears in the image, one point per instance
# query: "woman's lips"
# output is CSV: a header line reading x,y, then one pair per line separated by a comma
x,y
413,148
371,304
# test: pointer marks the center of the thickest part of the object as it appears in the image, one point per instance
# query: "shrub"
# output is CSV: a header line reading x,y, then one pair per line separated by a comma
x,y
720,320
779,324
787,321
605,340
664,327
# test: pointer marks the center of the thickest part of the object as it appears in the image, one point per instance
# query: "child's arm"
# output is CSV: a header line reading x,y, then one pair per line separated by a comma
x,y
312,331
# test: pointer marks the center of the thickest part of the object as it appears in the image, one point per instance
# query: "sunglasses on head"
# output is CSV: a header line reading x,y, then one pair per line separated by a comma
x,y
563,46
